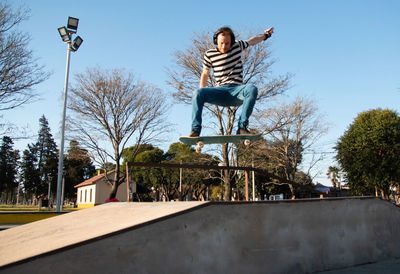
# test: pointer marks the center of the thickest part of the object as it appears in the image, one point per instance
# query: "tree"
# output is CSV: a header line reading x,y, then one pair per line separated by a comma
x,y
30,173
78,168
47,154
180,152
185,80
19,71
109,109
292,129
166,180
333,174
195,182
369,150
39,163
130,154
149,177
8,168
263,155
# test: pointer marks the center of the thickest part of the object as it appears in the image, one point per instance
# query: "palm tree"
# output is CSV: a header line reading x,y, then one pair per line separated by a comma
x,y
333,174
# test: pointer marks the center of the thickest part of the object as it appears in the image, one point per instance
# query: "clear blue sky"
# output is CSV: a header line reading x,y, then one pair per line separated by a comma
x,y
344,53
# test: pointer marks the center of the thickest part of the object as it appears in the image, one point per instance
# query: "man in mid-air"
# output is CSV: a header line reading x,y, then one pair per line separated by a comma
x,y
226,62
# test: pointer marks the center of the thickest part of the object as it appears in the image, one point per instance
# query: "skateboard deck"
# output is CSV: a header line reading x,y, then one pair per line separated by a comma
x,y
218,139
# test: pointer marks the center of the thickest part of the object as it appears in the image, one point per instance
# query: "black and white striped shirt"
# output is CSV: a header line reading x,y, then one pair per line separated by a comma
x,y
227,67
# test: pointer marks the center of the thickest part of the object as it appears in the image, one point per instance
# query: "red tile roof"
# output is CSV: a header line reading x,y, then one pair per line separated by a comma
x,y
93,180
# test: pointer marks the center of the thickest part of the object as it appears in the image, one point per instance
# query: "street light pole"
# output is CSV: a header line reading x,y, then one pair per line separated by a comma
x,y
61,152
73,45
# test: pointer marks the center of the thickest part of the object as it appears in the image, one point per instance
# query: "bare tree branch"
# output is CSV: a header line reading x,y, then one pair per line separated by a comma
x,y
19,71
292,130
109,109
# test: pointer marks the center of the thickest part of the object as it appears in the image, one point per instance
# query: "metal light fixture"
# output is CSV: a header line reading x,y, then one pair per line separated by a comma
x,y
76,43
66,35
72,24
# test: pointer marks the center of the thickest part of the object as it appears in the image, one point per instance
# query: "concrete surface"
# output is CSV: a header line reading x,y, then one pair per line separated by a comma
x,y
385,267
300,236
54,233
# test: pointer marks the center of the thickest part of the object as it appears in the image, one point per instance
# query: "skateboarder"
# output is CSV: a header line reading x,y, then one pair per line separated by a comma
x,y
226,62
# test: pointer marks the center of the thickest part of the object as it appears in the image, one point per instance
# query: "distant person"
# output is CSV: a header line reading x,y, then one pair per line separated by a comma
x,y
226,62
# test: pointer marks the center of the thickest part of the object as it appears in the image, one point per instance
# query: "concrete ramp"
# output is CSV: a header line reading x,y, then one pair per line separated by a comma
x,y
300,236
53,234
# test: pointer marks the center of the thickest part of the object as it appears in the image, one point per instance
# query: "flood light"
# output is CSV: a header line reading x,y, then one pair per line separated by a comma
x,y
72,24
64,34
76,43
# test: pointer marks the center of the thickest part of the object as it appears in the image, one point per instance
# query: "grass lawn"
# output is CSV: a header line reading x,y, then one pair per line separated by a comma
x,y
31,208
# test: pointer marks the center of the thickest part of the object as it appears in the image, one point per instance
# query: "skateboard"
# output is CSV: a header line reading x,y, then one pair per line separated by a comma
x,y
218,139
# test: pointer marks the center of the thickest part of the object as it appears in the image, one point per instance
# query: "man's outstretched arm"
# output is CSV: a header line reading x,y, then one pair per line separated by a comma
x,y
259,38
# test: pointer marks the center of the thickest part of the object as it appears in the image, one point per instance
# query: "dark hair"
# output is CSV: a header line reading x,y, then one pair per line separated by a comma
x,y
224,30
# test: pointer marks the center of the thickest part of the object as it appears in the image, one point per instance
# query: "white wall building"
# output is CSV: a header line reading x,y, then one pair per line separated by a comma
x,y
96,190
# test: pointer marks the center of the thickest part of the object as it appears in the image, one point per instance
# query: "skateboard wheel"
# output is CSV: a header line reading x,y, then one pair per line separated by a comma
x,y
246,142
200,144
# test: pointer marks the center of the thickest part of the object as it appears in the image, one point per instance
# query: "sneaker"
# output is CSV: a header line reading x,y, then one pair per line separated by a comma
x,y
242,131
194,133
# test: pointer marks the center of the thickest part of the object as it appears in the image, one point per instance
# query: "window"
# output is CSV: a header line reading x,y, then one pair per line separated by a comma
x,y
90,200
85,194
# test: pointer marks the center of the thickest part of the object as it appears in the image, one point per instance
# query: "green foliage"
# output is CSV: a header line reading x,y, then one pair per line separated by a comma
x,y
217,193
303,178
47,155
78,168
129,154
8,167
333,174
369,151
151,177
166,180
30,173
40,162
180,152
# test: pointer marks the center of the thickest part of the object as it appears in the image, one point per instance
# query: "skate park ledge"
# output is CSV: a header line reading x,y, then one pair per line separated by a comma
x,y
287,236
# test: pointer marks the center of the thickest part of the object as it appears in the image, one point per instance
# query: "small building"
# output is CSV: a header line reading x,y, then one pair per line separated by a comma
x,y
96,190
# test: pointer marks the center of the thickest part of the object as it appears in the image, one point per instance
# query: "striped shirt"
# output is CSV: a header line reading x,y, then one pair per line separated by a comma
x,y
227,67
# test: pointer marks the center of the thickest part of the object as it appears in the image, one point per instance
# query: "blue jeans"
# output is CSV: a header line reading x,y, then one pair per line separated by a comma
x,y
226,95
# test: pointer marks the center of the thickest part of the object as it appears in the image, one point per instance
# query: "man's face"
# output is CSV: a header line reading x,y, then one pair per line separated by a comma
x,y
223,42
